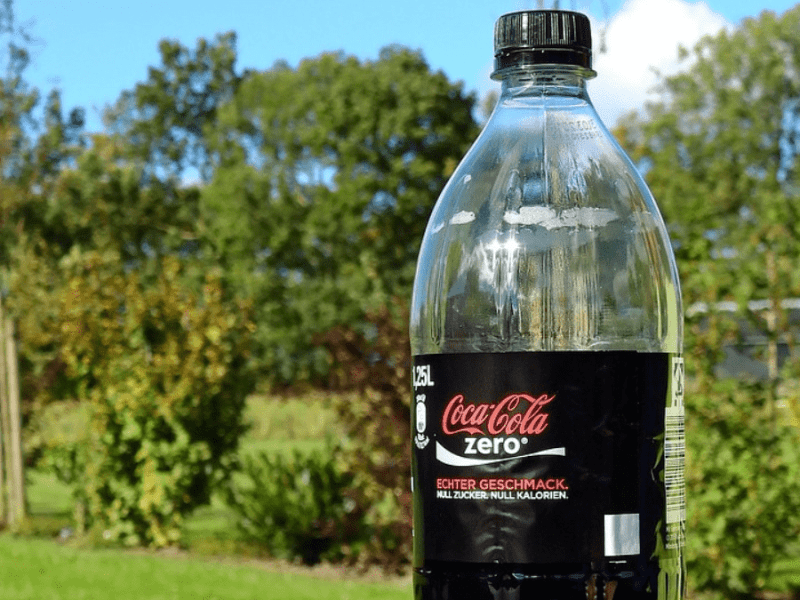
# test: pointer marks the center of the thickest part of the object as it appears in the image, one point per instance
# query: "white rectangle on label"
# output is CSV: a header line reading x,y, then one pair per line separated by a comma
x,y
622,534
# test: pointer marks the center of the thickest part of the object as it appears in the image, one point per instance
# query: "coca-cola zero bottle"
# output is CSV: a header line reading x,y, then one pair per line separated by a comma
x,y
546,330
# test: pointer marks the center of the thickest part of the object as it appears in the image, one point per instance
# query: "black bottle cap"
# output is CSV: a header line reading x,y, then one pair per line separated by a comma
x,y
538,37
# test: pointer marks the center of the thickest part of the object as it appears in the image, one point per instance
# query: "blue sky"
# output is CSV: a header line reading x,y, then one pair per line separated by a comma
x,y
94,49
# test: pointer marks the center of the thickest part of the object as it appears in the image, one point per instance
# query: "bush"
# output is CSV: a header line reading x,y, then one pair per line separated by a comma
x,y
297,507
743,479
373,364
163,369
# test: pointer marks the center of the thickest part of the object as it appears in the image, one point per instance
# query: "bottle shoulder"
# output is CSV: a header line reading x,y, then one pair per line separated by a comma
x,y
546,237
550,169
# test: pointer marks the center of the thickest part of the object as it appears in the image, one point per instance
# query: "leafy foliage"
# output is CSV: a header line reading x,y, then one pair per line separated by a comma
x,y
98,205
375,365
163,368
744,481
324,179
33,146
162,120
319,183
721,154
58,439
297,507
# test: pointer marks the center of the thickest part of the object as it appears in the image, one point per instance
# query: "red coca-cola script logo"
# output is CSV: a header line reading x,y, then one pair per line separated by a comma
x,y
508,417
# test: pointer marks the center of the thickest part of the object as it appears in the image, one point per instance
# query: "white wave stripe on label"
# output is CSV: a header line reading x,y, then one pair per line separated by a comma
x,y
443,455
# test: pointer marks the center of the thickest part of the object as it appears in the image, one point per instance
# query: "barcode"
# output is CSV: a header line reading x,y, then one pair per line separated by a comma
x,y
674,459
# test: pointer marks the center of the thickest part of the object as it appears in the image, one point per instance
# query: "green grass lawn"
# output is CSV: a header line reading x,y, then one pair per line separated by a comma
x,y
36,569
46,494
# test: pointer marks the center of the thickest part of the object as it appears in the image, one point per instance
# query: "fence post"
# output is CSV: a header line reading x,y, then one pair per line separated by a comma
x,y
17,474
3,451
5,431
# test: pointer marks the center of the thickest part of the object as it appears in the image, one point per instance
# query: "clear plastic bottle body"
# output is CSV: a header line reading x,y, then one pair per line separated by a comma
x,y
546,236
545,241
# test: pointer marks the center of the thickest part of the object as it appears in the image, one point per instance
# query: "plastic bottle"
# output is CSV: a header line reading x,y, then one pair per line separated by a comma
x,y
546,330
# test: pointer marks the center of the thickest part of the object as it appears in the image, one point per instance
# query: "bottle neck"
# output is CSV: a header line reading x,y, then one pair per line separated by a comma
x,y
544,80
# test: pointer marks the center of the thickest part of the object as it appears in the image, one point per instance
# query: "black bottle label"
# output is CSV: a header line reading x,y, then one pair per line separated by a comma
x,y
548,458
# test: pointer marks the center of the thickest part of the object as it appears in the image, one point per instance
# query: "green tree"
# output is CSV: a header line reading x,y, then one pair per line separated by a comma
x,y
162,120
112,314
96,202
33,147
721,154
17,98
720,151
37,141
324,179
743,469
63,193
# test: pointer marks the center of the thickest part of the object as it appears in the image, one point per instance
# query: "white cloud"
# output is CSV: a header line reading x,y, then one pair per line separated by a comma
x,y
642,37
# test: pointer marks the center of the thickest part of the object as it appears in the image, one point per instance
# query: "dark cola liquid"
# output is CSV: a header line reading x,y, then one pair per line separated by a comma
x,y
548,475
558,582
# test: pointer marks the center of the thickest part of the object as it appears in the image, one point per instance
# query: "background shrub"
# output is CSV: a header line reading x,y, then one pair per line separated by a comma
x,y
163,369
298,507
372,363
743,478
